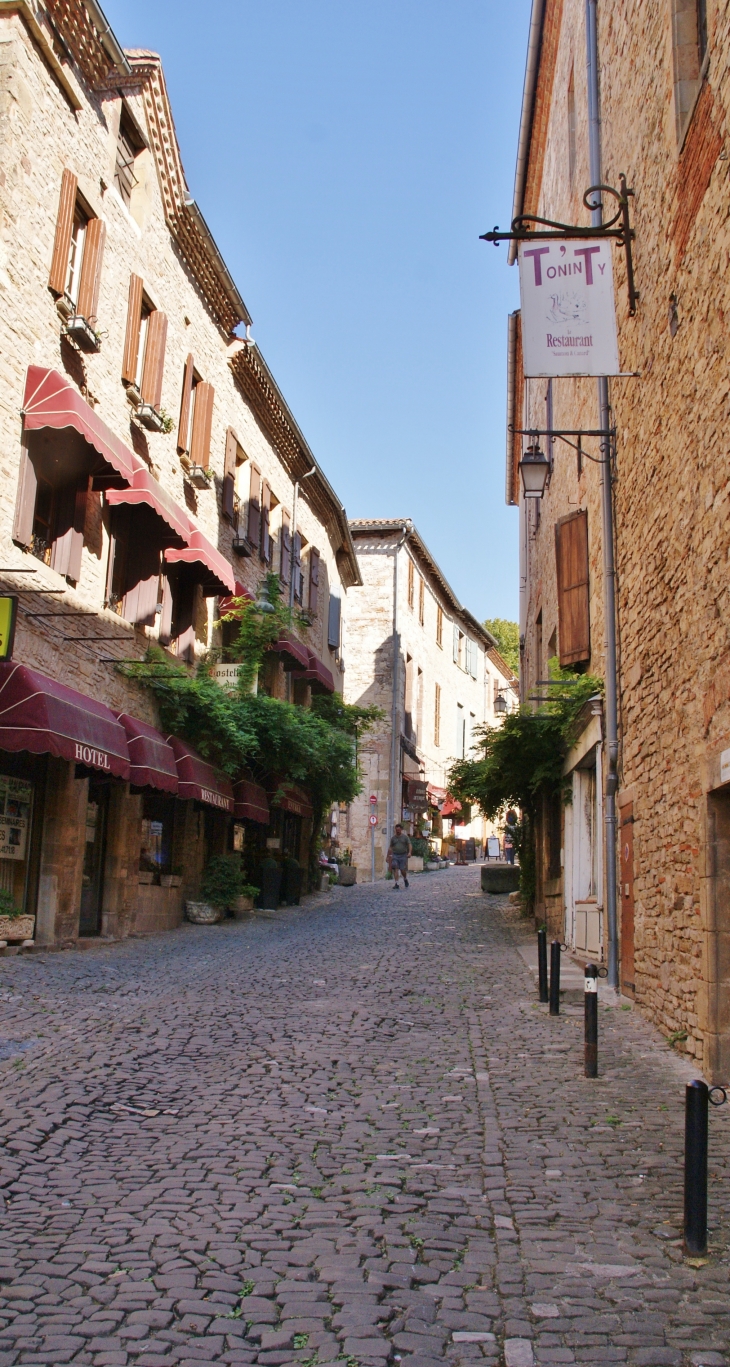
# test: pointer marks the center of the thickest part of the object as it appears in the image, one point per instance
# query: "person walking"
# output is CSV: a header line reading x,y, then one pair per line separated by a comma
x,y
398,852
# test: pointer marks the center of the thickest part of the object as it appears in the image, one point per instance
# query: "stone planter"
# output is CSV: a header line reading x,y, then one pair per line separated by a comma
x,y
202,914
433,864
241,907
500,877
415,863
347,876
17,927
170,880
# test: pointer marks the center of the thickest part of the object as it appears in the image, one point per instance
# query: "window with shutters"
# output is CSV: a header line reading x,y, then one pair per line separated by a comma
x,y
233,457
129,145
253,520
421,600
75,274
571,555
411,581
297,571
439,626
285,548
334,623
134,584
265,543
143,361
437,716
195,424
50,509
314,572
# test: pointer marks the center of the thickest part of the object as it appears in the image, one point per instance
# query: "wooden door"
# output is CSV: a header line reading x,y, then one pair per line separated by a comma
x,y
626,832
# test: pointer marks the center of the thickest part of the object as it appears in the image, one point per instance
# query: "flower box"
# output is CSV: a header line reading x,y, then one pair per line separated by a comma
x,y
198,477
150,418
170,880
82,333
17,927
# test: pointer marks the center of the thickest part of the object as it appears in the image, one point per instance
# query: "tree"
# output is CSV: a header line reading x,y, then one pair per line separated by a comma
x,y
507,636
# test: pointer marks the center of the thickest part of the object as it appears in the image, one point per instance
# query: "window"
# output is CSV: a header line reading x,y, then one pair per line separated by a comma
x,y
143,360
689,42
313,604
285,548
410,582
50,510
439,625
334,623
232,463
297,546
459,639
196,417
421,600
253,524
133,575
437,716
571,555
78,248
472,658
129,145
571,134
265,542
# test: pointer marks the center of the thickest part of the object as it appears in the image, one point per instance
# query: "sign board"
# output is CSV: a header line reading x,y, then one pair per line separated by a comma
x,y
15,800
493,850
374,799
8,611
373,819
227,675
239,838
568,310
418,795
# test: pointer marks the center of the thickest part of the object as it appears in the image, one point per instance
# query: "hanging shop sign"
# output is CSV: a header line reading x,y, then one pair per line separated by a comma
x,y
15,800
418,795
568,308
8,611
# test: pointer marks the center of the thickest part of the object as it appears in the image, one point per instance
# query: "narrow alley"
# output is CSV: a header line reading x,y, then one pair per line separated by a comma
x,y
343,1132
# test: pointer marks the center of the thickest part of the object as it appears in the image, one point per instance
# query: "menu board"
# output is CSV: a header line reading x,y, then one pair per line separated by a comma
x,y
16,796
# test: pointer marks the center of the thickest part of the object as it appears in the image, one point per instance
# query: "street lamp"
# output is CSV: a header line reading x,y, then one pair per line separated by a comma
x,y
263,602
500,703
534,468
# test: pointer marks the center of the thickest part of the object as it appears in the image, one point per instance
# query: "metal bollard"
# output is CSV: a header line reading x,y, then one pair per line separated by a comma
x,y
696,1099
591,1027
555,978
542,976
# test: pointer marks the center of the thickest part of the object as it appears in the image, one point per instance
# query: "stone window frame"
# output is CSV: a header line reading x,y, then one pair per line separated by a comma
x,y
690,62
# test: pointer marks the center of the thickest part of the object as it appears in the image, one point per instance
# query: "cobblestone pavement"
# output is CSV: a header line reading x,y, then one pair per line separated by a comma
x,y
348,1132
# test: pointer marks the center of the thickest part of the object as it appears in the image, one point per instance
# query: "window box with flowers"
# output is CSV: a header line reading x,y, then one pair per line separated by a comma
x,y
82,333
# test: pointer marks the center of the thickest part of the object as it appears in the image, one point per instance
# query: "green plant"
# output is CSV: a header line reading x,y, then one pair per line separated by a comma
x,y
676,1037
223,880
507,636
345,858
7,905
166,422
421,847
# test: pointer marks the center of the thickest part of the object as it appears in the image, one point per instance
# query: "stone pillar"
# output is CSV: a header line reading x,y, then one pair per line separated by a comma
x,y
121,861
62,854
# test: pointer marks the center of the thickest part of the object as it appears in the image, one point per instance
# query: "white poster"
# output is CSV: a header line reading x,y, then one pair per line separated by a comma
x,y
568,310
15,800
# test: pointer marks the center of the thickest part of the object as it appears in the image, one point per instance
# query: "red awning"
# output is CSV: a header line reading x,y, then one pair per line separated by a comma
x,y
198,779
436,794
47,718
50,400
152,762
251,802
146,489
228,604
450,807
200,550
294,654
316,674
291,799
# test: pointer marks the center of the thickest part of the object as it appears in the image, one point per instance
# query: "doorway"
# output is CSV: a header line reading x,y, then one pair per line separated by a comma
x,y
718,937
92,886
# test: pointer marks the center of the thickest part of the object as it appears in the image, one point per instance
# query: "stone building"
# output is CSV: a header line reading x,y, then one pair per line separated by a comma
x,y
416,653
661,118
150,469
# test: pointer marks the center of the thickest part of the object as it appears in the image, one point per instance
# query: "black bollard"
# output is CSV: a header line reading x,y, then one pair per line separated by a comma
x,y
542,977
695,1168
591,1009
555,978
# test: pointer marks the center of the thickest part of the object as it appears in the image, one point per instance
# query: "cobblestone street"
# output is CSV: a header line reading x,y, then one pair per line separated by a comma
x,y
347,1131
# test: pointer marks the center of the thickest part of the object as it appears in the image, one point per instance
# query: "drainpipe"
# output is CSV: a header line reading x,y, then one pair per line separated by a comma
x,y
394,727
609,568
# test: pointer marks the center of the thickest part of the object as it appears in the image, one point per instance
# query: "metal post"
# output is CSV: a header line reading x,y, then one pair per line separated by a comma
x,y
609,568
372,854
555,978
542,976
591,1025
695,1168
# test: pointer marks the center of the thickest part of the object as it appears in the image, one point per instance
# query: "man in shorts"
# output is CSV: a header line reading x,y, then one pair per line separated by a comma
x,y
398,852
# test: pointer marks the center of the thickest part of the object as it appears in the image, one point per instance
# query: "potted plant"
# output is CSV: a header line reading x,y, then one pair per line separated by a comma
x,y
242,905
14,923
291,890
271,873
348,871
221,883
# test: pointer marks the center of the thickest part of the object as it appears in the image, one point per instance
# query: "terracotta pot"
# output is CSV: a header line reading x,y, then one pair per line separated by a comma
x,y
202,914
17,927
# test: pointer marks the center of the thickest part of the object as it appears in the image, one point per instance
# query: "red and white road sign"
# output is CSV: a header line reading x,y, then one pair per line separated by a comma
x,y
373,820
373,798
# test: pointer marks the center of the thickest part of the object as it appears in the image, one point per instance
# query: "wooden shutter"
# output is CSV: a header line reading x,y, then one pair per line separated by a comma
x,y
333,624
456,644
68,541
88,300
285,557
265,522
421,600
143,573
228,491
165,629
410,582
134,321
297,566
314,582
571,554
187,390
154,359
254,507
64,228
202,423
25,500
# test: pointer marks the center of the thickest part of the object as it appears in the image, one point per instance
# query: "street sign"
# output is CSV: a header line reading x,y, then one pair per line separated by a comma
x,y
568,309
373,799
373,820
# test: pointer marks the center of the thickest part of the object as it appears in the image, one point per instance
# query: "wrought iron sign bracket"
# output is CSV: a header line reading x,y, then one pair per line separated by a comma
x,y
530,228
563,433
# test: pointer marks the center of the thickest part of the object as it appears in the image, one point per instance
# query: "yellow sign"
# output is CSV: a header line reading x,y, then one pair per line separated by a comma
x,y
8,609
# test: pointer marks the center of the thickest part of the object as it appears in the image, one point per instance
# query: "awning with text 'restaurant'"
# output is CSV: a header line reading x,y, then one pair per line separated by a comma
x,y
251,802
48,718
199,780
50,400
317,675
291,799
151,759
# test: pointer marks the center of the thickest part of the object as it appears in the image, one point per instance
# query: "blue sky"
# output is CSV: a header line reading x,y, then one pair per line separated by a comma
x,y
346,156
